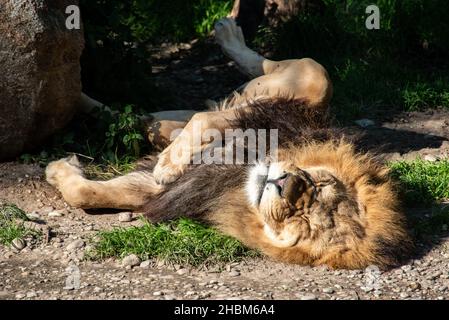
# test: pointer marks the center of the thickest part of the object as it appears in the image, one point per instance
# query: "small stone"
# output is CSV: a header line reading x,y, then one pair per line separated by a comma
x,y
55,214
307,297
33,215
415,286
125,216
131,261
404,295
182,271
20,296
444,227
31,294
234,273
430,157
406,268
18,243
372,269
145,264
77,244
364,123
158,293
328,290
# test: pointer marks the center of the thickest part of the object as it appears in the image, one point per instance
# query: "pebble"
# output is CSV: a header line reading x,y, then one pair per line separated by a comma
x,y
33,215
55,214
430,157
182,271
328,290
234,273
18,243
364,123
307,297
77,244
415,286
125,216
145,264
157,293
131,261
367,288
404,295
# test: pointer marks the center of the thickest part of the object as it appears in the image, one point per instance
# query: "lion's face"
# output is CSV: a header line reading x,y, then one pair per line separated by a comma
x,y
295,203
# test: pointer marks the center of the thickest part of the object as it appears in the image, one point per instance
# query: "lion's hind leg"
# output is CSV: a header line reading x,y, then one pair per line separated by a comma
x,y
130,191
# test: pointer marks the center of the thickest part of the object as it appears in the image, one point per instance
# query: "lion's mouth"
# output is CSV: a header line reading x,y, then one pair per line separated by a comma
x,y
278,183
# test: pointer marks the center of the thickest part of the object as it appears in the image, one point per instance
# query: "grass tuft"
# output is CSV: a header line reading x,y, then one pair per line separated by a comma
x,y
422,182
183,241
12,224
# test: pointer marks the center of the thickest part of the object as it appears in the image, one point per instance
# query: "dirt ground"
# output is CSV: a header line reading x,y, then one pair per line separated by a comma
x,y
44,271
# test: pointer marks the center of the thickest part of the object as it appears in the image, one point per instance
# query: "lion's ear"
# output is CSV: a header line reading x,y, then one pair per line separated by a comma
x,y
73,160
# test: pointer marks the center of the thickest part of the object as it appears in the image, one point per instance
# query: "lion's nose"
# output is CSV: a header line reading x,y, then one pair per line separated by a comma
x,y
293,187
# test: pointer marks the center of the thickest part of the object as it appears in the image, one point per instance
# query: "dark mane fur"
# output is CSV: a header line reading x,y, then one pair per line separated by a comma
x,y
196,191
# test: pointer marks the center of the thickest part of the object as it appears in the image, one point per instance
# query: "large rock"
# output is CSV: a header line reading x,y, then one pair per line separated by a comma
x,y
40,82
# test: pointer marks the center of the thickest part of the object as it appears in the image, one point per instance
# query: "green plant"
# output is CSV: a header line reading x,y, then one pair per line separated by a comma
x,y
422,182
12,224
125,132
207,12
182,241
419,96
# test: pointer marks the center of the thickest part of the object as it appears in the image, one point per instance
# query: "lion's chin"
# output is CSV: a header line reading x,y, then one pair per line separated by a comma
x,y
286,238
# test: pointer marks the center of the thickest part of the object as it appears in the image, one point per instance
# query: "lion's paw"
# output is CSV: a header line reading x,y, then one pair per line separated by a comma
x,y
229,35
59,170
166,172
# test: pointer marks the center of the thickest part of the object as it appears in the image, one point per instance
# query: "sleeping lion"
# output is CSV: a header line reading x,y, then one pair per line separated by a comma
x,y
318,201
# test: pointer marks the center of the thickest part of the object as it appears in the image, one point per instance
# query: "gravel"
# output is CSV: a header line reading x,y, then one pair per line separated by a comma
x,y
125,216
75,245
131,261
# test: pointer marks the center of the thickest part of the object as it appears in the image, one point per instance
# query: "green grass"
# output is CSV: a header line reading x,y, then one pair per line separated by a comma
x,y
211,11
422,182
424,185
12,226
182,241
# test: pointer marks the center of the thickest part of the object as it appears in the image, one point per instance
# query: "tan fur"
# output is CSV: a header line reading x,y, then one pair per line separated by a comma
x,y
365,213
349,219
125,192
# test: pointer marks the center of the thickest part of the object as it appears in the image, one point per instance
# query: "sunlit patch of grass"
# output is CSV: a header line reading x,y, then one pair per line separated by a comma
x,y
182,241
422,182
12,224
109,169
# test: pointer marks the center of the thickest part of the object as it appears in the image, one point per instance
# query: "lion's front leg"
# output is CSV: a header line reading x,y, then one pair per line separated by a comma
x,y
190,144
131,191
